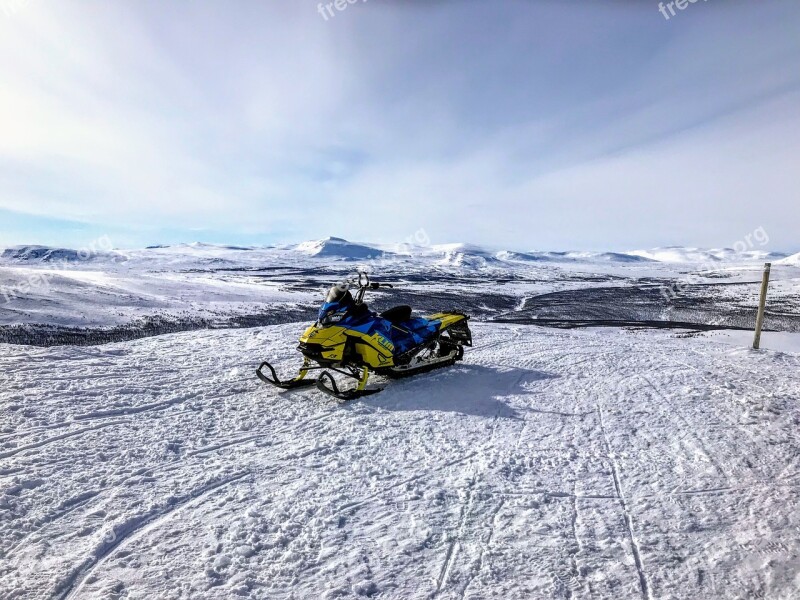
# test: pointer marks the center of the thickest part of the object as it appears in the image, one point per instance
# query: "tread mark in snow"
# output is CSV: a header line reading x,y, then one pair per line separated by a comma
x,y
235,442
509,340
733,423
134,528
56,438
33,431
687,426
484,547
66,509
520,434
271,434
578,546
452,550
132,410
637,559
451,463
446,567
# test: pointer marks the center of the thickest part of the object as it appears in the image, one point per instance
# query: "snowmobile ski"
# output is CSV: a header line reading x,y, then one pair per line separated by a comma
x,y
344,395
298,382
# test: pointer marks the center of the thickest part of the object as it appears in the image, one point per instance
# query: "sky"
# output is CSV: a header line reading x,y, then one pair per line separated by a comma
x,y
529,125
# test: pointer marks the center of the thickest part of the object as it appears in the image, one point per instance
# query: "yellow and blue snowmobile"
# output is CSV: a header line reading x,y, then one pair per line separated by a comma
x,y
351,340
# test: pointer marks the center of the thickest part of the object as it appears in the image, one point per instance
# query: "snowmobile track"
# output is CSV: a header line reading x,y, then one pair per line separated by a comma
x,y
626,512
137,527
57,438
453,547
573,524
358,503
484,547
688,427
133,410
69,507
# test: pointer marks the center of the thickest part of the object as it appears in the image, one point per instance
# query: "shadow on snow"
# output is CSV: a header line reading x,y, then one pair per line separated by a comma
x,y
467,389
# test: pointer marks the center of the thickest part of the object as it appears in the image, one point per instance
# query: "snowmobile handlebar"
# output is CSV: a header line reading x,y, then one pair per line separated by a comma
x,y
365,284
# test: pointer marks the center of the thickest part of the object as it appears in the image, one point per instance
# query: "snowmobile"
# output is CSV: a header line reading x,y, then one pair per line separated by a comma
x,y
351,340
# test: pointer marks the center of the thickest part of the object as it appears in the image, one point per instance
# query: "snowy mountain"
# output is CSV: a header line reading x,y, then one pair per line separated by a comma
x,y
793,260
196,285
476,256
334,247
194,248
44,254
681,254
207,246
572,257
462,255
607,257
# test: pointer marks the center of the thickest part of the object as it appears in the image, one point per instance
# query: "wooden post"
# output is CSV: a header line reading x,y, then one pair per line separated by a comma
x,y
762,303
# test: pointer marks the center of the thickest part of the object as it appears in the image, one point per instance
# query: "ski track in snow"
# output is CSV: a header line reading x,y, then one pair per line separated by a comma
x,y
138,527
549,464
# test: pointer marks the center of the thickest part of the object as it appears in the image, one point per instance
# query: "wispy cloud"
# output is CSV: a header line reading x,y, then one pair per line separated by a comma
x,y
533,124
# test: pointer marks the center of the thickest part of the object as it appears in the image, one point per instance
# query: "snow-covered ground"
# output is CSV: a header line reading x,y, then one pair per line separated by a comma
x,y
549,464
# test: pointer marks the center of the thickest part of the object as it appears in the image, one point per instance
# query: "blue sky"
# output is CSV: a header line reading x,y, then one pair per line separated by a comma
x,y
519,124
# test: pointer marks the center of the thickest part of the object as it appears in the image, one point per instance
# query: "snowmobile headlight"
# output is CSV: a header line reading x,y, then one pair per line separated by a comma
x,y
332,318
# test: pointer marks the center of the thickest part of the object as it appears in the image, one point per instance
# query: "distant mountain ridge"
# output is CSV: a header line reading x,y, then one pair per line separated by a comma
x,y
42,254
681,254
793,260
455,254
201,246
571,257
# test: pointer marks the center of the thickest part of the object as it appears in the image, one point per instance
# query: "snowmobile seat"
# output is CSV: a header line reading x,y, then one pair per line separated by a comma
x,y
397,314
358,310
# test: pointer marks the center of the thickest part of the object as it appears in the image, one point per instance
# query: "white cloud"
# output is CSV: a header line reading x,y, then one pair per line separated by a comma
x,y
491,124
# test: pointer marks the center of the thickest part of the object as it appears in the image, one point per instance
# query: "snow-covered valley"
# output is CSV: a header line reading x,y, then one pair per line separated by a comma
x,y
53,296
593,463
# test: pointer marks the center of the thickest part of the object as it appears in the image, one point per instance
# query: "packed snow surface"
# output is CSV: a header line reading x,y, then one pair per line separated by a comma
x,y
549,464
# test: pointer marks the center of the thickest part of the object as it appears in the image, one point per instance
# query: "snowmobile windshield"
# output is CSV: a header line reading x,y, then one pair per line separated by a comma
x,y
336,303
340,294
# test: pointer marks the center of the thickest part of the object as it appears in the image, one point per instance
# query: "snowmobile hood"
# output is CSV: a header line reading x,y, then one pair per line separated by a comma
x,y
332,312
